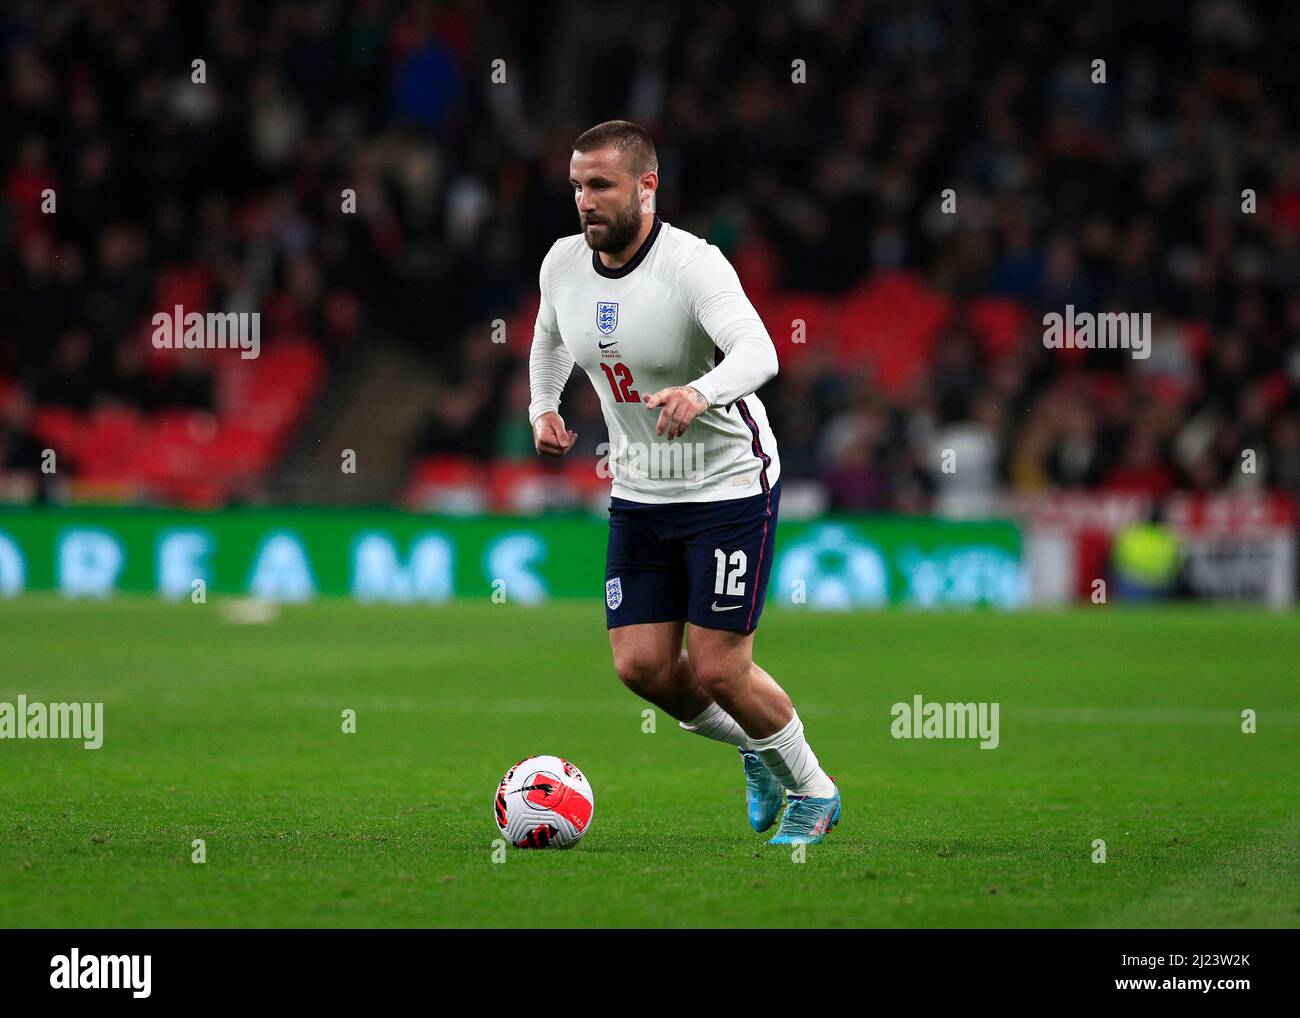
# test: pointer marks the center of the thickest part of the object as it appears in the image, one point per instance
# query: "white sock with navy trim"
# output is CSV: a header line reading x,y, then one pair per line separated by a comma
x,y
715,723
792,761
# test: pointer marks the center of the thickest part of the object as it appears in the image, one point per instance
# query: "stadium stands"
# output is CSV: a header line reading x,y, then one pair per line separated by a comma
x,y
1171,188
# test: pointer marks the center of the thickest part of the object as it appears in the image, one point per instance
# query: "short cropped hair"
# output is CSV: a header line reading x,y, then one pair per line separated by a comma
x,y
629,138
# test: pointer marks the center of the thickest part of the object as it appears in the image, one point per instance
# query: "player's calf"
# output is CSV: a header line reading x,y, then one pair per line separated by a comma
x,y
729,676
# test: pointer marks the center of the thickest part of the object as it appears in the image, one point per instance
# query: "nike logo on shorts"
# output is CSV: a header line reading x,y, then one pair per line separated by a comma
x,y
730,607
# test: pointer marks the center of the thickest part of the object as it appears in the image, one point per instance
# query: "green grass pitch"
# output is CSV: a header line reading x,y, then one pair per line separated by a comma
x,y
1118,725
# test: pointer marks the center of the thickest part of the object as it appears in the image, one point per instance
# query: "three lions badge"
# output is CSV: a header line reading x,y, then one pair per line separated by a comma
x,y
613,593
606,316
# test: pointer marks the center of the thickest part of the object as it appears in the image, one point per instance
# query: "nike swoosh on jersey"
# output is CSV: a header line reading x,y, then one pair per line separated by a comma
x,y
606,345
730,607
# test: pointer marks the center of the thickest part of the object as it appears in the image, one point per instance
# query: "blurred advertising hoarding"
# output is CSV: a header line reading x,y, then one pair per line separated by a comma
x,y
287,555
1235,547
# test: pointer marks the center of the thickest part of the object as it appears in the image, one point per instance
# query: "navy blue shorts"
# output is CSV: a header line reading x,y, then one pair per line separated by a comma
x,y
705,562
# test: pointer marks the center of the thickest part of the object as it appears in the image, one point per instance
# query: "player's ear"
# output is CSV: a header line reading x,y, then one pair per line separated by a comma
x,y
648,186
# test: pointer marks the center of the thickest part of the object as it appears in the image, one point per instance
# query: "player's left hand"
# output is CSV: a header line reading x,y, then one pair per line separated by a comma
x,y
681,405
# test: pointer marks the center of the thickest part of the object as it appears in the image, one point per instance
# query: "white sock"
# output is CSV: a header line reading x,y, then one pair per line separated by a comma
x,y
792,761
716,723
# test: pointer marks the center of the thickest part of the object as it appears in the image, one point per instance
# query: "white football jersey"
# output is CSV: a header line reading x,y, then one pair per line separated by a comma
x,y
674,314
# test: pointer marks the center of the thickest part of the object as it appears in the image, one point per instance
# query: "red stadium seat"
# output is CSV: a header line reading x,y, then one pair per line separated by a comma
x,y
525,486
447,483
448,470
999,323
891,323
584,478
60,428
819,315
111,444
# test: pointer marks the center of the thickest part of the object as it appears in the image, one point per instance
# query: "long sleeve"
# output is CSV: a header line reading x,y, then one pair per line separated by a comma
x,y
713,296
549,360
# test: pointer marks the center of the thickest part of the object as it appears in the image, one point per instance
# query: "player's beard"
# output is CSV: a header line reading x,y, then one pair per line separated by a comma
x,y
619,232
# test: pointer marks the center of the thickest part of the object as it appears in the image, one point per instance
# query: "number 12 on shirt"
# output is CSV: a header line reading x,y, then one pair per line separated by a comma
x,y
622,386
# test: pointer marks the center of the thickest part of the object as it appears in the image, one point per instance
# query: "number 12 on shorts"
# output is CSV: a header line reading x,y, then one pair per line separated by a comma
x,y
733,578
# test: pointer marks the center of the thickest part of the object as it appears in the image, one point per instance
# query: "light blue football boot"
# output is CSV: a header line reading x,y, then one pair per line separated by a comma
x,y
807,821
763,793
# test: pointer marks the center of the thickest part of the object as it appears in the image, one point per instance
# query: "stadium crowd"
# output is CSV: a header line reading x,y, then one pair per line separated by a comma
x,y
1165,180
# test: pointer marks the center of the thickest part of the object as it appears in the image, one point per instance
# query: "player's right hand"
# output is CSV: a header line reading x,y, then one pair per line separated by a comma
x,y
550,436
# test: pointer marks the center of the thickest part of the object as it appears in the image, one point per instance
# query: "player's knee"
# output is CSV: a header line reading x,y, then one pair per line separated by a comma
x,y
719,678
642,673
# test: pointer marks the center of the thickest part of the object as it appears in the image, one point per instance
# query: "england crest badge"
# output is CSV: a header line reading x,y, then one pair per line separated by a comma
x,y
606,316
613,593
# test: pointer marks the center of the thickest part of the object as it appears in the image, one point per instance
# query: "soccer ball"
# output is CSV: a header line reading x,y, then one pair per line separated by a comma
x,y
544,802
